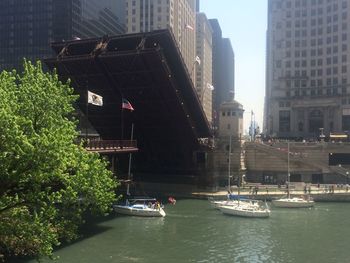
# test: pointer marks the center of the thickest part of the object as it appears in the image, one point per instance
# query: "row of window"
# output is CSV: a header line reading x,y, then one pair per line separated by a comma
x,y
232,113
314,122
313,41
303,24
303,4
287,104
313,12
335,91
303,43
303,63
313,84
302,74
321,72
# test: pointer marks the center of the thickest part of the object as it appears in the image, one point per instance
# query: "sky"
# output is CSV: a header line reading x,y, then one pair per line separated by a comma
x,y
244,22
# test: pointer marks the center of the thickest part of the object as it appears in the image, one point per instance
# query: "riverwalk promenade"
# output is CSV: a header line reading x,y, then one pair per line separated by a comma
x,y
320,193
323,193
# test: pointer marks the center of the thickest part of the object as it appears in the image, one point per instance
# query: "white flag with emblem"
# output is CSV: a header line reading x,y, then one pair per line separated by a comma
x,y
198,60
95,99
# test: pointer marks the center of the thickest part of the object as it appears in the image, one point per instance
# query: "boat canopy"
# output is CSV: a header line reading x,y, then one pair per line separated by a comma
x,y
236,197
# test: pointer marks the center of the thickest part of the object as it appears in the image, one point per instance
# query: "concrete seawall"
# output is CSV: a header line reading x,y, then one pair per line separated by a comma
x,y
318,197
267,193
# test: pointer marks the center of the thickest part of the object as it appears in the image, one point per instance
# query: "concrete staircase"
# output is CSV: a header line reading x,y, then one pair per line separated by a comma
x,y
304,157
269,158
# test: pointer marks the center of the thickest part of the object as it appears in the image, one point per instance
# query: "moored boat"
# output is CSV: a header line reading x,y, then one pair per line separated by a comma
x,y
233,202
246,210
145,207
293,202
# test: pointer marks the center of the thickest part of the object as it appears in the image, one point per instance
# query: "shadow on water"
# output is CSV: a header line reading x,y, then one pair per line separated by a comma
x,y
91,227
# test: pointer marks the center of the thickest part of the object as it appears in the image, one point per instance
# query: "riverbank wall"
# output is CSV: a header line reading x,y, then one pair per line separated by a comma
x,y
322,193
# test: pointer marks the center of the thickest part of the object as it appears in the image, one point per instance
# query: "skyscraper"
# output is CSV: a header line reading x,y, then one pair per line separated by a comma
x,y
177,15
204,78
307,69
27,27
223,69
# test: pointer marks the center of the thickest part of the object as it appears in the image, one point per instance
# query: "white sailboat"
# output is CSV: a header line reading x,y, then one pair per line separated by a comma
x,y
292,202
246,210
231,199
238,207
146,207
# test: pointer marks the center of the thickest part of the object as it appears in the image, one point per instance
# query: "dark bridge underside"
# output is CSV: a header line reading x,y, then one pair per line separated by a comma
x,y
148,70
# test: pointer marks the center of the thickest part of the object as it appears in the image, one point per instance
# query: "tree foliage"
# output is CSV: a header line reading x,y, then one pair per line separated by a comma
x,y
46,179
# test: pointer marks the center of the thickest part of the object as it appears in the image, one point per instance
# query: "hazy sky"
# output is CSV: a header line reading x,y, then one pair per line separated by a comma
x,y
244,22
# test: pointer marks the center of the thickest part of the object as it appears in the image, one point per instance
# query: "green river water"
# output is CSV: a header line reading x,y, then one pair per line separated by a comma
x,y
194,232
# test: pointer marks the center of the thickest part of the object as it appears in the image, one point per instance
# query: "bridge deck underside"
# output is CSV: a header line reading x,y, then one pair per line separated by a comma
x,y
168,117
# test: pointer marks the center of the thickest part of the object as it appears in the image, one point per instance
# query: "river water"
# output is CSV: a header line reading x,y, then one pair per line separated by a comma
x,y
194,232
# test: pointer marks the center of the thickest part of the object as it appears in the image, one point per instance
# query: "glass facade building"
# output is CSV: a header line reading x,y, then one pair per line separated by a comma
x,y
27,27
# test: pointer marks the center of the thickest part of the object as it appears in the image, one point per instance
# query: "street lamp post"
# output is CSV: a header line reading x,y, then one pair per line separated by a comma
x,y
209,87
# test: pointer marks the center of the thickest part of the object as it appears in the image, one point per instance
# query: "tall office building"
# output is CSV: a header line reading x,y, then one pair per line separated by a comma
x,y
178,15
204,78
27,27
223,69
307,70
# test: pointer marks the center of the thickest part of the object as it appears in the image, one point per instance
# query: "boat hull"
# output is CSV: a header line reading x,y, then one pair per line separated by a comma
x,y
147,212
244,212
218,204
290,203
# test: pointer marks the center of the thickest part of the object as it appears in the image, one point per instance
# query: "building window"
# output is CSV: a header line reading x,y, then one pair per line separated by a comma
x,y
346,122
284,121
300,126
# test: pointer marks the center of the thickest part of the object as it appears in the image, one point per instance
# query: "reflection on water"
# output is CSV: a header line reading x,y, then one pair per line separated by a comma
x,y
194,232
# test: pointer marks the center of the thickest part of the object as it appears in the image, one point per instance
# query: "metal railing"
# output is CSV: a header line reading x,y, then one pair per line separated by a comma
x,y
96,145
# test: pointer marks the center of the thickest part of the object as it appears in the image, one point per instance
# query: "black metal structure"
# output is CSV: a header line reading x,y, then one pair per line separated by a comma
x,y
147,69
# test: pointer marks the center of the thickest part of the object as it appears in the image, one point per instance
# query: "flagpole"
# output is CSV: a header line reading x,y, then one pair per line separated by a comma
x,y
87,115
122,121
130,156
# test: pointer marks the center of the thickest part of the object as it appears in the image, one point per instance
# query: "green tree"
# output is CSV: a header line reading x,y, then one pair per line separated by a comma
x,y
46,179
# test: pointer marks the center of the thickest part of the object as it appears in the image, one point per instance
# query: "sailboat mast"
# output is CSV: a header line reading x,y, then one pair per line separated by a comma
x,y
129,168
288,173
288,164
229,166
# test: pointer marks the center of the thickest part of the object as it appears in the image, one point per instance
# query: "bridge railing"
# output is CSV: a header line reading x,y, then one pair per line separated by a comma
x,y
95,145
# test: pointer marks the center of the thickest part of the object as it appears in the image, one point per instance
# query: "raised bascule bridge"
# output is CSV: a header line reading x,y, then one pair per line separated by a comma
x,y
148,70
